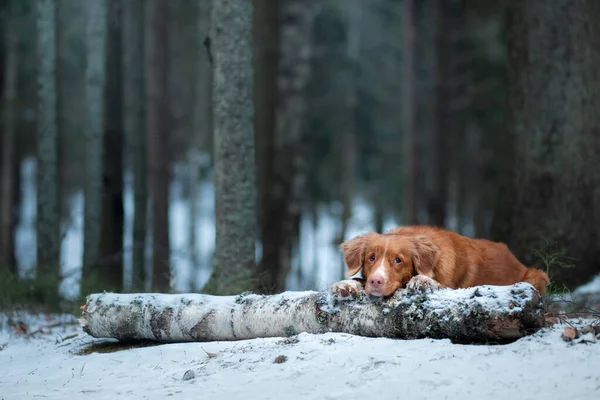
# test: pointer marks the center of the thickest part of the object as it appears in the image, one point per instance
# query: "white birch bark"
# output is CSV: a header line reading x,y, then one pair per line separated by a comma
x,y
476,314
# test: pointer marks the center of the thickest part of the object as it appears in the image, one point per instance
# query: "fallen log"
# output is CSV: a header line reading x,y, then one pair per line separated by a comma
x,y
484,313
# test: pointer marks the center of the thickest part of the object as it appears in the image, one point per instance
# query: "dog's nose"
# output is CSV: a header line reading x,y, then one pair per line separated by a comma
x,y
376,281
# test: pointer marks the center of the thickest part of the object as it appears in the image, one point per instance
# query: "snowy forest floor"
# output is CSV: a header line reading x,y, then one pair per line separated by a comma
x,y
60,361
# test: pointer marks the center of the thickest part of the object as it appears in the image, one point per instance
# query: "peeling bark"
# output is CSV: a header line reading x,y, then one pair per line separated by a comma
x,y
479,314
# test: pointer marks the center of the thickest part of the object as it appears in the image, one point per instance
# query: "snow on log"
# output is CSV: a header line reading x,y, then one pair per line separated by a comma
x,y
483,313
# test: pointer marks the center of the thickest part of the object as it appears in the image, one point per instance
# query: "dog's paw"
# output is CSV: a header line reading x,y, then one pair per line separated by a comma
x,y
346,287
422,283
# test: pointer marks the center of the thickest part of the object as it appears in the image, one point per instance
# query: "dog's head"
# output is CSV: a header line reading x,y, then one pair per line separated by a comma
x,y
388,261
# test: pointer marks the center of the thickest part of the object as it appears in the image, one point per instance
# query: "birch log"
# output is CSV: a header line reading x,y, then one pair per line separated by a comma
x,y
484,313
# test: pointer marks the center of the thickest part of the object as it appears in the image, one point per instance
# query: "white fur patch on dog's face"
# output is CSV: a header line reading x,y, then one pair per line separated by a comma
x,y
382,270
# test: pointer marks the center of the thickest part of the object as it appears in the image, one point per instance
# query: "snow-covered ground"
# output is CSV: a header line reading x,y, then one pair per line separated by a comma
x,y
329,366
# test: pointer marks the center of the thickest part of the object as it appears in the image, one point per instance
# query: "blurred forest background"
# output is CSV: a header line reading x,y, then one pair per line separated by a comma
x,y
229,145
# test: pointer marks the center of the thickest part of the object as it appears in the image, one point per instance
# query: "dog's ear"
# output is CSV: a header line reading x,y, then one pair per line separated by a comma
x,y
425,254
354,252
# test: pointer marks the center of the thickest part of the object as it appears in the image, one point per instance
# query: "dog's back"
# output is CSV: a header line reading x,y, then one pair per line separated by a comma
x,y
466,262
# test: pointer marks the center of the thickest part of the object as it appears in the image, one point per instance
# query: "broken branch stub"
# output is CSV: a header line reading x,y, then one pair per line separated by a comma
x,y
484,313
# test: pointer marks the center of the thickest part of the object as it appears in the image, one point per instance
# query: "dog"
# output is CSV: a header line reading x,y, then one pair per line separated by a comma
x,y
422,257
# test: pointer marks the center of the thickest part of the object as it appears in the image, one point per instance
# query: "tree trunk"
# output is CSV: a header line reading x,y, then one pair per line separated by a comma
x,y
48,207
267,35
158,141
478,196
348,135
378,219
194,165
479,314
282,200
113,218
504,157
7,168
63,93
95,77
554,94
134,95
234,155
344,222
314,220
426,71
448,35
455,80
435,48
411,146
202,132
266,28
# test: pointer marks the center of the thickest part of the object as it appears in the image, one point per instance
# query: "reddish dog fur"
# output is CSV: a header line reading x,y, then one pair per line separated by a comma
x,y
421,255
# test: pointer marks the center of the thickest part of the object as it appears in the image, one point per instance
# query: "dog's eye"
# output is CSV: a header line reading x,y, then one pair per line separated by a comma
x,y
397,260
372,257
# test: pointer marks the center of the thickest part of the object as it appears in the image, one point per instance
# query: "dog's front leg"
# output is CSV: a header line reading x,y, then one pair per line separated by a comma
x,y
422,283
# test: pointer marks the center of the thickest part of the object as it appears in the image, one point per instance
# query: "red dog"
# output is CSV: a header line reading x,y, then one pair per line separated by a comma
x,y
418,257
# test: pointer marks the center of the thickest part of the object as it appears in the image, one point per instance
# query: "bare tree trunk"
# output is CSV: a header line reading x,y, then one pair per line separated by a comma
x,y
283,200
348,135
347,184
434,62
444,48
202,124
194,165
461,187
314,271
158,141
62,116
449,128
95,77
266,64
484,313
456,81
479,193
48,207
411,147
234,155
378,219
7,169
505,181
113,215
554,93
134,95
426,71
